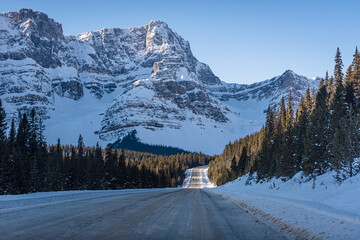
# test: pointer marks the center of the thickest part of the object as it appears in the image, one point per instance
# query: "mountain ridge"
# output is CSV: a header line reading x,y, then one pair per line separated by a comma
x,y
113,81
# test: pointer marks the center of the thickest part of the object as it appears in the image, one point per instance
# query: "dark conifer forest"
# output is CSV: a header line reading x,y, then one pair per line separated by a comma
x,y
28,164
132,142
322,135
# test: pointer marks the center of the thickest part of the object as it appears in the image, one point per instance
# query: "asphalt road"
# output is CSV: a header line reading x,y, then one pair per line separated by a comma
x,y
166,214
196,178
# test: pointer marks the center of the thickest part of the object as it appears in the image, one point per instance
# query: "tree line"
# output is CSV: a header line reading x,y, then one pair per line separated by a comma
x,y
322,135
28,164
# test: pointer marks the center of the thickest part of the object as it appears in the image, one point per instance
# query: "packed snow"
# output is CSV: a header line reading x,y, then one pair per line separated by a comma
x,y
312,209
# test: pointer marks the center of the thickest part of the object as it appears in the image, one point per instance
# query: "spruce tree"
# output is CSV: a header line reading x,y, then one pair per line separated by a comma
x,y
315,160
279,139
121,172
348,74
12,133
338,74
282,116
350,98
110,180
355,76
80,164
337,111
99,167
33,131
308,101
233,169
300,129
3,125
287,166
243,161
59,167
346,145
23,134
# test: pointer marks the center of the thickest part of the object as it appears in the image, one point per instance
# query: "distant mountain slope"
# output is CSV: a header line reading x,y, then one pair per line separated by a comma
x,y
107,83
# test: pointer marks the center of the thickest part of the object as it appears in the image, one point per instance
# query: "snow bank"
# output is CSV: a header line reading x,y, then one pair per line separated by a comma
x,y
205,181
188,176
320,209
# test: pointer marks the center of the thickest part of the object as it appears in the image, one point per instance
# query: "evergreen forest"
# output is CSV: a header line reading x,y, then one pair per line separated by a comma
x,y
319,135
28,164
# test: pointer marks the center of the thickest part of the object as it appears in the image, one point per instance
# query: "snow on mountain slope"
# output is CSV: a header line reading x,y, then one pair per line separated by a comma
x,y
320,209
104,84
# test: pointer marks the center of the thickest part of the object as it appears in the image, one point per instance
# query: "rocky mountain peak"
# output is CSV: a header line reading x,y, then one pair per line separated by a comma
x,y
158,23
289,79
160,38
37,23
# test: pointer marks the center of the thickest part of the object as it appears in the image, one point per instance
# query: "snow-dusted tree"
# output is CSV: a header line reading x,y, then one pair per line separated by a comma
x,y
346,145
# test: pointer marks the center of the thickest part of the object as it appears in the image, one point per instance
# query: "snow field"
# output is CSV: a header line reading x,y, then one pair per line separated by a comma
x,y
322,209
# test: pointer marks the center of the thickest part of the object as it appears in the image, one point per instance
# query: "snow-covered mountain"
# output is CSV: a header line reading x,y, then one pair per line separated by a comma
x,y
106,83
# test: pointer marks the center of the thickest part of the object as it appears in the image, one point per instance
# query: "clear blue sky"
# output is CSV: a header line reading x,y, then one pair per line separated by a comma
x,y
242,41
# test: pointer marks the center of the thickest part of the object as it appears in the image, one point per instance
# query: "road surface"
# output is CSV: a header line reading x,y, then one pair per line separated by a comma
x,y
161,214
198,178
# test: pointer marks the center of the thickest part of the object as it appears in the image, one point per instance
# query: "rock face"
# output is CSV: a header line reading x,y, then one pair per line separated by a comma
x,y
144,78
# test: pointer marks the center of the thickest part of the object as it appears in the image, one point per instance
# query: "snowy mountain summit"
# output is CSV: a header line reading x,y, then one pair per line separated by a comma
x,y
107,83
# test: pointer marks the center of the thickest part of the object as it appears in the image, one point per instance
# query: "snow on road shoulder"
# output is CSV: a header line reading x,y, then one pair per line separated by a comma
x,y
188,176
205,181
321,209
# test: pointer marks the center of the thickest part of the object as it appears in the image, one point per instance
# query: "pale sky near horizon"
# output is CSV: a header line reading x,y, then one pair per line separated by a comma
x,y
242,41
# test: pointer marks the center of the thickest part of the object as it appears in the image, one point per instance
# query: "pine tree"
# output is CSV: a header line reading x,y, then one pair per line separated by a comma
x,y
10,170
315,160
233,169
121,172
99,167
110,168
71,164
40,134
264,162
3,125
355,76
282,116
12,133
59,167
300,129
33,131
346,145
286,164
338,74
3,143
279,140
23,134
243,161
337,109
308,101
348,74
350,98
80,164
330,90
